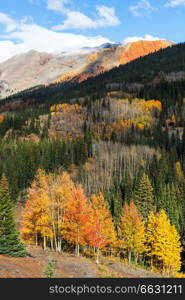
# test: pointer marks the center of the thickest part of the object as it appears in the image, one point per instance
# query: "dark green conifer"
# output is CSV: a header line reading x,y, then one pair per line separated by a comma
x,y
49,271
144,198
9,239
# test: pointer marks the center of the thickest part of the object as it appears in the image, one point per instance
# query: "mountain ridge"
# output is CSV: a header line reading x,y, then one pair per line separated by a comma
x,y
40,68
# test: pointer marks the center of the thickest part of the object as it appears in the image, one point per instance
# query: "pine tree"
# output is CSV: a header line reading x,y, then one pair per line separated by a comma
x,y
49,271
182,207
183,148
167,200
144,198
9,239
173,209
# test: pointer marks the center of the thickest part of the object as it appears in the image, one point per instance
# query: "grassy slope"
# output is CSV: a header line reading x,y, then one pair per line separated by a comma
x,y
67,266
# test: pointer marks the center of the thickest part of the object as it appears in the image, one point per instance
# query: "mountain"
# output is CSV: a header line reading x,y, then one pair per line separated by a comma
x,y
110,57
120,133
34,68
159,75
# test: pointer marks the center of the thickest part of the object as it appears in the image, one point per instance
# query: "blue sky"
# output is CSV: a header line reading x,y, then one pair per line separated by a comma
x,y
67,25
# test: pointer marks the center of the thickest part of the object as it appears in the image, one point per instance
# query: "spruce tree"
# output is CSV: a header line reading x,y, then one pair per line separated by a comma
x,y
182,208
144,198
49,271
168,202
9,239
183,149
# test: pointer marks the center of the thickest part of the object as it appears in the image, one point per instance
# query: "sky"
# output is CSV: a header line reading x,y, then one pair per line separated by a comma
x,y
57,26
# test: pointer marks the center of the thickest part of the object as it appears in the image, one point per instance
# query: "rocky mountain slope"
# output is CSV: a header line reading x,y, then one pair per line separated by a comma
x,y
34,68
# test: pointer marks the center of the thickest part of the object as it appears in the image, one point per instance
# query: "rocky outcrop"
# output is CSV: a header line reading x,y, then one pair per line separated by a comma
x,y
139,49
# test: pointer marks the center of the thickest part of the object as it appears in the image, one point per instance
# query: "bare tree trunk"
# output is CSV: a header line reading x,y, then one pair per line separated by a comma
x,y
51,242
129,256
136,258
77,249
44,242
54,233
151,263
60,245
36,239
97,255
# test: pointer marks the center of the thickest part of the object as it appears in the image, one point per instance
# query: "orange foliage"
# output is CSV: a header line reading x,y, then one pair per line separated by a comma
x,y
1,118
100,232
76,218
103,217
151,104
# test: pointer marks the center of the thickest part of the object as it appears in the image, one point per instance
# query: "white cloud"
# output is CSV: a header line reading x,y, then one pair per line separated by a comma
x,y
7,22
8,49
78,20
173,3
34,37
108,16
75,20
23,35
147,37
58,5
143,7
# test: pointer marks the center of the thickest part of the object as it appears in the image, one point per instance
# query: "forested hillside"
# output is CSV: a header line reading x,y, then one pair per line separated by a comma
x,y
99,167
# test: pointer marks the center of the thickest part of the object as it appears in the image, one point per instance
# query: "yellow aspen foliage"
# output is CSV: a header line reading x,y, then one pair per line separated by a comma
x,y
179,171
150,236
44,210
28,230
163,244
66,108
43,222
36,216
140,126
59,192
36,219
132,231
